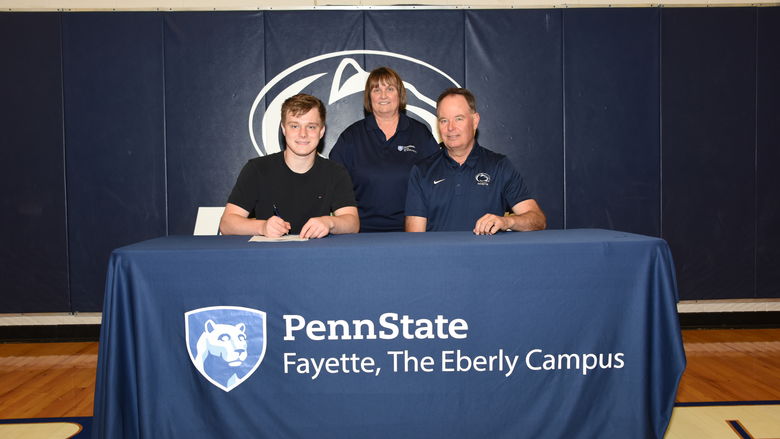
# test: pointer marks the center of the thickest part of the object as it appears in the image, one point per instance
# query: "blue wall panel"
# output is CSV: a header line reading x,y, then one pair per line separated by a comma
x,y
514,67
115,153
768,153
708,126
611,71
33,255
334,32
214,68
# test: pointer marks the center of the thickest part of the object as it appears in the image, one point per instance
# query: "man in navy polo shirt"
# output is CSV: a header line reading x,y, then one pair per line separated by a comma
x,y
465,186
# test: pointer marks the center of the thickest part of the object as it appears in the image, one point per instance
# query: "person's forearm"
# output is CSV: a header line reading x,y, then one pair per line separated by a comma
x,y
232,224
527,222
342,224
415,224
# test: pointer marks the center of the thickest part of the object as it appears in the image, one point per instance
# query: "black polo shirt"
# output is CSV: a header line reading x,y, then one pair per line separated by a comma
x,y
268,181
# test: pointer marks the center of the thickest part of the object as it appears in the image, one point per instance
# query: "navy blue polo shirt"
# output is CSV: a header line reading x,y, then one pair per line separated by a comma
x,y
380,168
453,197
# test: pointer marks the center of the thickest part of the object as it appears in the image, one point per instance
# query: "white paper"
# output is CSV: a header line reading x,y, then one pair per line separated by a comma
x,y
285,238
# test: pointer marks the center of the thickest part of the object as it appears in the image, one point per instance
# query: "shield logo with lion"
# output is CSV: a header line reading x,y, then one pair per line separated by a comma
x,y
226,343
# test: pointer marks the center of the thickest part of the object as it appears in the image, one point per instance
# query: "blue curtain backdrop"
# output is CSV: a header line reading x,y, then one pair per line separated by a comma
x,y
116,127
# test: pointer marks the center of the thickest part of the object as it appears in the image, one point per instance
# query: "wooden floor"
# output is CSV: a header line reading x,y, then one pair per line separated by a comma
x,y
47,380
43,380
731,365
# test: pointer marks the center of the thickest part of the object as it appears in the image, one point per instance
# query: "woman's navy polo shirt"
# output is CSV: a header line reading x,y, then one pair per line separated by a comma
x,y
380,168
453,197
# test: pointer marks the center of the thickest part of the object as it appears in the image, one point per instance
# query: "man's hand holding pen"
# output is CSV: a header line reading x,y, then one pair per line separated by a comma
x,y
275,226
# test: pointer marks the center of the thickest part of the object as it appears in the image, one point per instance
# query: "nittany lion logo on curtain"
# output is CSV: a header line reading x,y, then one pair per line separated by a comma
x,y
226,343
334,77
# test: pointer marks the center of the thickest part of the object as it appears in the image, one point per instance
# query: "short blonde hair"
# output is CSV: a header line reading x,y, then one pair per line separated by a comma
x,y
302,104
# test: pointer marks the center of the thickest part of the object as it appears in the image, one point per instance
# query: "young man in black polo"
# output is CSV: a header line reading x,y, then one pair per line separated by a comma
x,y
294,191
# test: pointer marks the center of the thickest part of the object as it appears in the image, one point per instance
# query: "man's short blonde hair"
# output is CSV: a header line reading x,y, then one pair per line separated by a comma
x,y
302,104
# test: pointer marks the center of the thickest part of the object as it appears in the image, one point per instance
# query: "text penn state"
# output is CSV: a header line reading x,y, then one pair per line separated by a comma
x,y
391,327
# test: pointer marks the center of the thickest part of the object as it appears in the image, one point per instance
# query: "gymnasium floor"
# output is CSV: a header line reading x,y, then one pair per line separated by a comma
x,y
741,367
730,389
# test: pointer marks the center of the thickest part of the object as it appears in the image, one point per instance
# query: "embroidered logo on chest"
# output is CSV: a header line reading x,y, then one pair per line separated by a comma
x,y
407,148
483,179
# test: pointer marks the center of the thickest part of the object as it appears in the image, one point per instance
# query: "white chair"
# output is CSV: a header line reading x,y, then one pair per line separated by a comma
x,y
207,221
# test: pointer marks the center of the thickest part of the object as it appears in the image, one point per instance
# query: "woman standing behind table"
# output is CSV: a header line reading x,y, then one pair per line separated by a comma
x,y
379,152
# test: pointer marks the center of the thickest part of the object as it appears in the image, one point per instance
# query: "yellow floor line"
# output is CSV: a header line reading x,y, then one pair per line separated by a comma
x,y
43,430
711,422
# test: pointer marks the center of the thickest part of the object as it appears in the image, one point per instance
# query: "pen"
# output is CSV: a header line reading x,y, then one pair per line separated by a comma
x,y
276,213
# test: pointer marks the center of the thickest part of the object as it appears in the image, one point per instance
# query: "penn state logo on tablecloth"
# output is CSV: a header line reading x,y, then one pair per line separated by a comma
x,y
334,77
226,343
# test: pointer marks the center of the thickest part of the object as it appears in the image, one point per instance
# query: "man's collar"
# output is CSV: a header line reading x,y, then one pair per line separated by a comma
x,y
471,160
299,164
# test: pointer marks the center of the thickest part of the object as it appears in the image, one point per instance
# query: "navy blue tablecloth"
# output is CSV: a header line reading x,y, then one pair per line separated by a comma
x,y
553,334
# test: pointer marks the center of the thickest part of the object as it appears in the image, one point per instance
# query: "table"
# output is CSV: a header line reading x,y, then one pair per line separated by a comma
x,y
552,334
